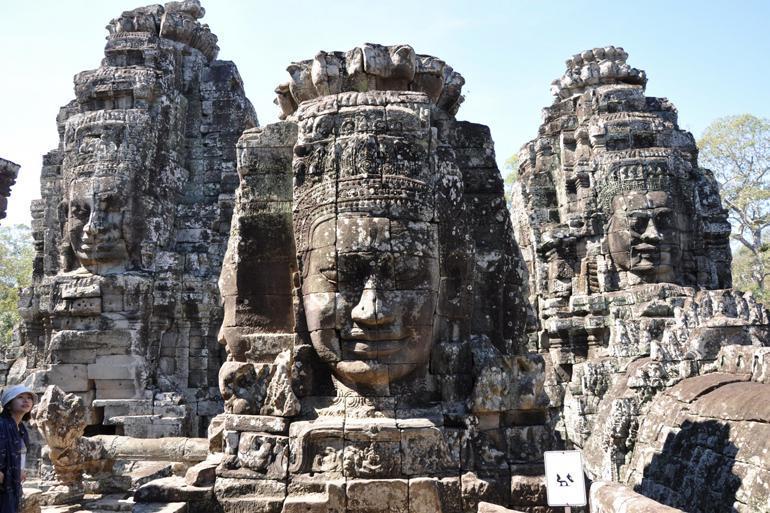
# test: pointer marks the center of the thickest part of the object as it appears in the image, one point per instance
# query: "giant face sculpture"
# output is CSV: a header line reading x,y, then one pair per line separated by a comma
x,y
98,222
645,234
367,235
369,290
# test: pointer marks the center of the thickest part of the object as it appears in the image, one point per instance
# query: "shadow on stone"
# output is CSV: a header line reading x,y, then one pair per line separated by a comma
x,y
694,472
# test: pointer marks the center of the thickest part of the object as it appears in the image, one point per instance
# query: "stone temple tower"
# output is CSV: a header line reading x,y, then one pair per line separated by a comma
x,y
626,245
133,224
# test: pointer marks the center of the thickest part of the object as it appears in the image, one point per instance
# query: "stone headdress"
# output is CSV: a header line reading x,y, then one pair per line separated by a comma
x,y
658,171
370,162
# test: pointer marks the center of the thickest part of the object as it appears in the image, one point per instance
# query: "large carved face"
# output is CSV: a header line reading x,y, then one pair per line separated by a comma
x,y
645,235
98,221
369,289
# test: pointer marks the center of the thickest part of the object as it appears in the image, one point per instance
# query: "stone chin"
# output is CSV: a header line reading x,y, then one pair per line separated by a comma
x,y
102,258
359,374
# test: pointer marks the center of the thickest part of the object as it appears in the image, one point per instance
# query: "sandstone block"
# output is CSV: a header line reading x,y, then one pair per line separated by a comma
x,y
378,495
117,367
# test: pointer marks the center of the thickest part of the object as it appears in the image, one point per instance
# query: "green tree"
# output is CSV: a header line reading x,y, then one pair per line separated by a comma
x,y
511,174
737,150
16,255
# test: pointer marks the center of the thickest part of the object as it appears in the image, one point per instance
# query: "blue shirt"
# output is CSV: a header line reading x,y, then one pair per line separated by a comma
x,y
13,439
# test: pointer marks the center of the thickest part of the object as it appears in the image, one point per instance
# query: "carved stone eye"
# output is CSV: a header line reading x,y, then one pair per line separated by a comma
x,y
348,127
80,210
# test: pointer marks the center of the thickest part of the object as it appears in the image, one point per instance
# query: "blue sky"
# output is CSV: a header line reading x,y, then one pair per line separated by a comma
x,y
710,58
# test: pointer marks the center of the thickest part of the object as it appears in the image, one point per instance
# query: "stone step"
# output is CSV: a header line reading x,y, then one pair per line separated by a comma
x,y
160,507
113,502
173,489
130,475
252,504
60,508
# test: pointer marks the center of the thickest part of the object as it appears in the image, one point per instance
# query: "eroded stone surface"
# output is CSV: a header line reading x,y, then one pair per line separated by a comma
x,y
8,173
385,321
626,244
132,228
375,303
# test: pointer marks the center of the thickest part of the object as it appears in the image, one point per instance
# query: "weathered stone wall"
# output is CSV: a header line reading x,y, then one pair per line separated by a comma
x,y
374,303
626,245
8,173
132,228
702,444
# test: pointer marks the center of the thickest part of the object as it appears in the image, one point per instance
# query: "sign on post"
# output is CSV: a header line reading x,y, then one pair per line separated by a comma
x,y
564,481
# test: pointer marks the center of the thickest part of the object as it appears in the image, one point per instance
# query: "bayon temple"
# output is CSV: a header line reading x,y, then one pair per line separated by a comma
x,y
339,312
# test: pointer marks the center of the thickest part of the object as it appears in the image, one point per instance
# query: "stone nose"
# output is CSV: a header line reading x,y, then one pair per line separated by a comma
x,y
651,233
372,309
93,225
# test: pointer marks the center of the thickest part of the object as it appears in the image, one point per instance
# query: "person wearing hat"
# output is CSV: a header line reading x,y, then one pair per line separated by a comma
x,y
14,440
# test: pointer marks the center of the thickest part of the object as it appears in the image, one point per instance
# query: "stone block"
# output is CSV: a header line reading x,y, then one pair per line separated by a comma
x,y
159,507
485,507
68,377
250,495
424,495
263,453
425,452
528,491
73,346
203,473
118,389
153,426
494,488
378,495
255,423
117,367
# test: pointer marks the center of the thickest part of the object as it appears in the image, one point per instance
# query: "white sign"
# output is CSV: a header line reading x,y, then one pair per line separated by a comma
x,y
564,482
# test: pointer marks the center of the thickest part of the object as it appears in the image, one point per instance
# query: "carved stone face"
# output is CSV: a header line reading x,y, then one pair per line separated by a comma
x,y
645,235
98,223
370,286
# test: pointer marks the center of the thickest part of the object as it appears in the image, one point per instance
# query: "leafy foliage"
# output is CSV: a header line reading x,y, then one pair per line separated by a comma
x,y
16,255
737,150
744,269
510,175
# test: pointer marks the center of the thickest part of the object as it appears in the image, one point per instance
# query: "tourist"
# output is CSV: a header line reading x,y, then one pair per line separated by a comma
x,y
14,441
